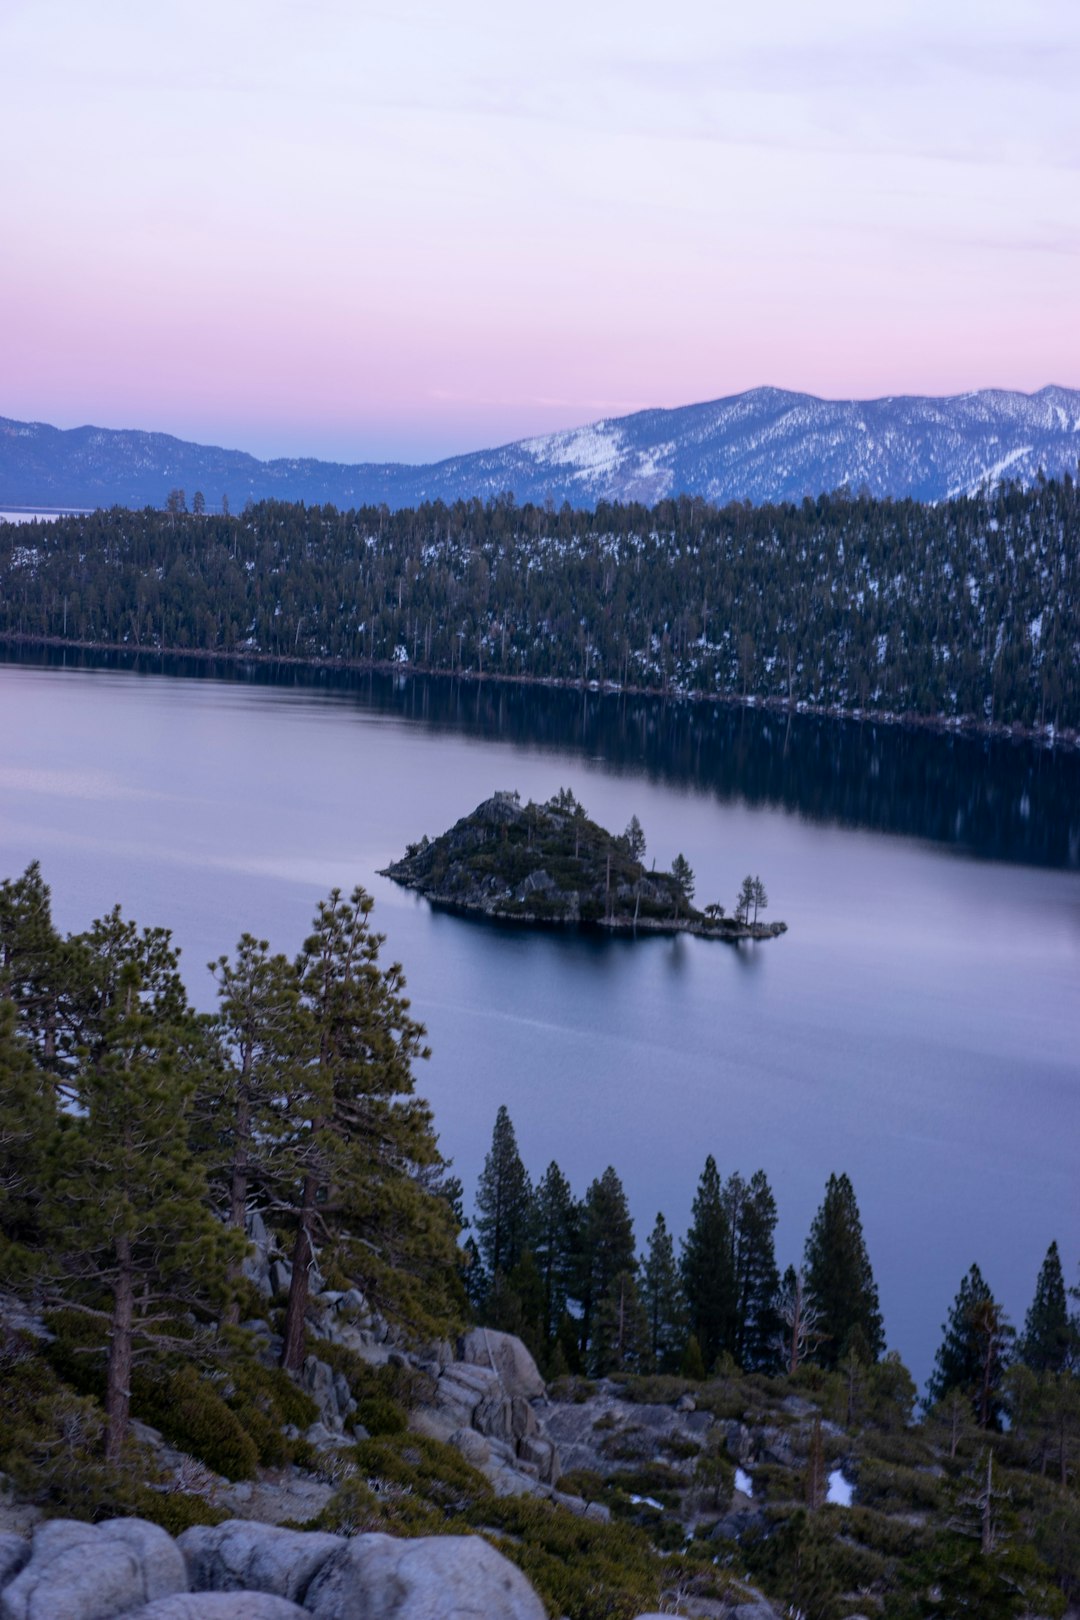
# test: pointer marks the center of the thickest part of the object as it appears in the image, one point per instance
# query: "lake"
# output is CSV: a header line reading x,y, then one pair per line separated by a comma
x,y
918,1026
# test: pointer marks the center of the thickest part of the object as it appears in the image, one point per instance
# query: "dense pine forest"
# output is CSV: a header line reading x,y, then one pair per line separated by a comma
x,y
968,610
152,1354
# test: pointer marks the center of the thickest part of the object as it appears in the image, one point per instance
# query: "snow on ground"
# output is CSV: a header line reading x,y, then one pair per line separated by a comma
x,y
743,1482
840,1490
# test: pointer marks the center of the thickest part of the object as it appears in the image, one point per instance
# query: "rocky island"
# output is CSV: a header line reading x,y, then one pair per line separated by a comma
x,y
550,865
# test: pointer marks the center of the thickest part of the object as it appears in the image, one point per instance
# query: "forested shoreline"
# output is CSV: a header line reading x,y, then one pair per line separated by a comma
x,y
963,613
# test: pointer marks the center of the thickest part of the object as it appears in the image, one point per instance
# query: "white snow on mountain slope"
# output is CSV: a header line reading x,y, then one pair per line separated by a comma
x,y
764,445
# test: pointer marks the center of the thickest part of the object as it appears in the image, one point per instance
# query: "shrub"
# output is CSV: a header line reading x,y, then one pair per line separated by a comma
x,y
192,1415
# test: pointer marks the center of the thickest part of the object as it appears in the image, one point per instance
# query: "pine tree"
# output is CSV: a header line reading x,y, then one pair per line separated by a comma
x,y
707,1269
503,1201
972,1356
683,875
554,1223
27,1123
839,1278
261,1033
31,966
607,1248
1048,1335
663,1299
620,1339
751,1214
130,1217
352,1140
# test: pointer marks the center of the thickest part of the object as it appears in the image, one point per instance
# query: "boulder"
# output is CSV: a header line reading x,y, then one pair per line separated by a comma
x,y
329,1390
240,1555
379,1577
14,1552
221,1606
507,1356
539,1452
502,1419
94,1572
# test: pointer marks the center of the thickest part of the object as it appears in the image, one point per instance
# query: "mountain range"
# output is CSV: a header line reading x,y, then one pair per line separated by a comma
x,y
762,446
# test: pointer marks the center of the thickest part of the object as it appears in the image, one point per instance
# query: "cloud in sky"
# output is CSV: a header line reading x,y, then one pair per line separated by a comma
x,y
360,230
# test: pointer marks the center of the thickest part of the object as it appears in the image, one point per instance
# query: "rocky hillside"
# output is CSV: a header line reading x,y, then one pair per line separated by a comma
x,y
762,446
551,865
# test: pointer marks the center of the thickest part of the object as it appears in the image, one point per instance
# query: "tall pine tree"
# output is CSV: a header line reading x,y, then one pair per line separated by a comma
x,y
554,1222
607,1249
503,1201
839,1278
973,1355
663,1299
1048,1334
708,1275
353,1142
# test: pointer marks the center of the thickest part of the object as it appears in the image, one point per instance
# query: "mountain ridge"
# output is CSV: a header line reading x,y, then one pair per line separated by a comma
x,y
765,445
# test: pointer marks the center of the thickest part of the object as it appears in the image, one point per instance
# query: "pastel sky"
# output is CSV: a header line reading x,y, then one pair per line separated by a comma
x,y
364,230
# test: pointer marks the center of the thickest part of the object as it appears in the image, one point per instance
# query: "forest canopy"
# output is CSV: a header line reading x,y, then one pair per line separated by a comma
x,y
967,610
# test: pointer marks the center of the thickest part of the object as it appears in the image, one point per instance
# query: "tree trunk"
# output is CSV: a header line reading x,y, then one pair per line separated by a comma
x,y
292,1350
118,1376
238,1186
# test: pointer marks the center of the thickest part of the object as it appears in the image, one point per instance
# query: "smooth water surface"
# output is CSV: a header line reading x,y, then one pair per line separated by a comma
x,y
918,1027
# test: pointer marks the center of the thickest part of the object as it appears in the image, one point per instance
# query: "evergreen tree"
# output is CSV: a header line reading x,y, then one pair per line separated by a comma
x,y
620,1339
838,1276
261,1031
27,1120
31,966
707,1268
751,1214
352,1140
130,1217
982,1566
503,1201
635,840
1047,1343
972,1356
683,874
663,1299
554,1223
607,1248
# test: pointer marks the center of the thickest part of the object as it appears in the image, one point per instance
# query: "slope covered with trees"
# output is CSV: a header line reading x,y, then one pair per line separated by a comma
x,y
968,610
710,1405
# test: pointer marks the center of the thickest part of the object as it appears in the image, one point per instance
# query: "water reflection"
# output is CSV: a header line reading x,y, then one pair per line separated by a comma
x,y
994,798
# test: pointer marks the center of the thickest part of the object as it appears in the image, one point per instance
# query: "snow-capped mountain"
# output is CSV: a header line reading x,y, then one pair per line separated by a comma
x,y
765,445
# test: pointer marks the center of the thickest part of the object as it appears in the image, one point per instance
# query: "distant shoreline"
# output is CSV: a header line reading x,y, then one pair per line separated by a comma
x,y
943,725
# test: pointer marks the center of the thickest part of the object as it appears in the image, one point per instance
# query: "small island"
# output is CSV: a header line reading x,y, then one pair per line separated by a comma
x,y
549,865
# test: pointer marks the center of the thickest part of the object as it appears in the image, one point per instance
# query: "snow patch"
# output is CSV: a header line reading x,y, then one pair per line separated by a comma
x,y
840,1490
743,1482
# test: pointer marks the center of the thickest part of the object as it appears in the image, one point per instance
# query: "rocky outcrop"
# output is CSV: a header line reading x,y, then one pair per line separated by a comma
x,y
240,1556
379,1577
241,1571
78,1571
506,1356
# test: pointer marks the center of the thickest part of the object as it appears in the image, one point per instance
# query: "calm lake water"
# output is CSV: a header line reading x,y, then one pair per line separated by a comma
x,y
918,1027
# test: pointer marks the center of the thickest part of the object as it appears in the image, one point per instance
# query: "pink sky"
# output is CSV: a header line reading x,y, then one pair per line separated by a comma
x,y
365,231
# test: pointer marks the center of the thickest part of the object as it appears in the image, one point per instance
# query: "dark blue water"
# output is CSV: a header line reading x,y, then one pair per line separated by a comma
x,y
918,1027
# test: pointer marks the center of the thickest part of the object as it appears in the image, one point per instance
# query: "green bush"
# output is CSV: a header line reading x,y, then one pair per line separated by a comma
x,y
582,1569
434,1472
380,1415
192,1416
